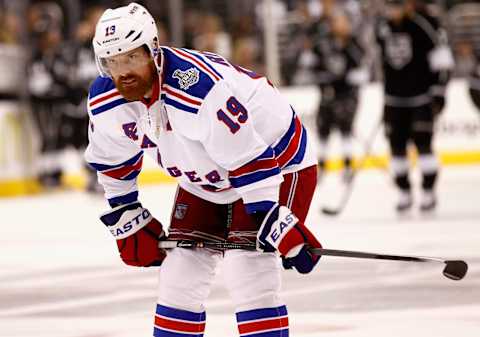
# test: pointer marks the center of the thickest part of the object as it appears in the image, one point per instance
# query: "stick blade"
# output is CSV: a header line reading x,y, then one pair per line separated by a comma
x,y
330,211
455,269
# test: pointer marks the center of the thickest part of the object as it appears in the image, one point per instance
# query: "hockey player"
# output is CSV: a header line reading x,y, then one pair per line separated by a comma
x,y
339,73
242,160
416,61
474,84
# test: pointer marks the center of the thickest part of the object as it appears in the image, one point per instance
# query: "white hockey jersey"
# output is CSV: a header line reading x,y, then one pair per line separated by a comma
x,y
222,131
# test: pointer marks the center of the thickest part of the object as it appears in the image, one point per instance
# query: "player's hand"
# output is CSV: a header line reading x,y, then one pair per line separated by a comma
x,y
137,234
282,231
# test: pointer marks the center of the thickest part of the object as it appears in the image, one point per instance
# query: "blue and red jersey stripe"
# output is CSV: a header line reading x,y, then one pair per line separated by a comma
x,y
180,99
203,62
289,150
127,170
260,168
104,96
291,147
198,62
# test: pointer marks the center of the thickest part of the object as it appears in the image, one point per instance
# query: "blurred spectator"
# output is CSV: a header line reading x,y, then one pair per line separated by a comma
x,y
464,58
474,84
9,27
163,36
246,54
212,37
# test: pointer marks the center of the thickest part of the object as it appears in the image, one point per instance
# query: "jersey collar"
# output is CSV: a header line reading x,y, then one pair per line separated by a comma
x,y
156,84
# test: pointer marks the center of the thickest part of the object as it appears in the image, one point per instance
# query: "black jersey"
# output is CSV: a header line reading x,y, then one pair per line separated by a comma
x,y
336,60
474,84
52,76
415,59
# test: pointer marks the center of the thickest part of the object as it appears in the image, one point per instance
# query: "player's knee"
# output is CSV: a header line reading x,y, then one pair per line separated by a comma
x,y
423,142
186,277
398,149
345,129
398,142
252,279
323,133
323,129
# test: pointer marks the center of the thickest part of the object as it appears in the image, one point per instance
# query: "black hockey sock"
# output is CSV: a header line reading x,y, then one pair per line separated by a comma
x,y
428,181
347,162
402,182
321,164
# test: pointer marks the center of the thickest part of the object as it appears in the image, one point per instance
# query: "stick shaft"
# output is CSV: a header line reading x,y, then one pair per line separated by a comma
x,y
316,251
376,256
349,188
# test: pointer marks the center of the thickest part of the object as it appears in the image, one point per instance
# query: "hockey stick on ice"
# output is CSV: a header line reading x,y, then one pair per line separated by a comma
x,y
349,188
454,269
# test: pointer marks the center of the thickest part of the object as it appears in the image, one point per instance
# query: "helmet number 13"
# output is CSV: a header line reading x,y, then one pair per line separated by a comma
x,y
237,115
110,30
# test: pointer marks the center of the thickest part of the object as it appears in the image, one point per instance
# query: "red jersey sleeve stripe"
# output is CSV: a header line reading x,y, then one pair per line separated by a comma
x,y
121,172
104,98
265,161
182,97
293,145
198,63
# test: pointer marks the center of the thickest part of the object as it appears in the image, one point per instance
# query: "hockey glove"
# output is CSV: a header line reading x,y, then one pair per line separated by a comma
x,y
282,231
137,234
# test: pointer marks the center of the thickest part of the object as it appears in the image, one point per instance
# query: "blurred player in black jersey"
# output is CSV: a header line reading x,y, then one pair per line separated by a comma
x,y
416,62
53,94
474,83
339,72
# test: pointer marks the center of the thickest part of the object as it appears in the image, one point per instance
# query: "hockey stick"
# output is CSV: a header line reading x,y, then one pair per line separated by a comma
x,y
348,190
454,269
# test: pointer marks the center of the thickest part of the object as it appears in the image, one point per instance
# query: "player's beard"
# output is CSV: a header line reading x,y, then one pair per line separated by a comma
x,y
141,84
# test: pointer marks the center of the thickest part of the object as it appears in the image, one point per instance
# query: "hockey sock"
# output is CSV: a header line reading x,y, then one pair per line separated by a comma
x,y
402,182
321,164
399,167
428,181
347,162
271,322
429,167
171,322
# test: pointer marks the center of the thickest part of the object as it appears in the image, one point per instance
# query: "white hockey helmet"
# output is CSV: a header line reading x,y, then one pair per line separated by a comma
x,y
123,29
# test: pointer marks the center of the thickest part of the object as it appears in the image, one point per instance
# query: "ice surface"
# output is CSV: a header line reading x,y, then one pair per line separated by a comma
x,y
60,275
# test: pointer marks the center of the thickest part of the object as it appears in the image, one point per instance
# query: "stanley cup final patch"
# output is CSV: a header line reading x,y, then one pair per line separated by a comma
x,y
186,78
180,211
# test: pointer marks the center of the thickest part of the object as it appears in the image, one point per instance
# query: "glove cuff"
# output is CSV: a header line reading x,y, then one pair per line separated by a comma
x,y
126,220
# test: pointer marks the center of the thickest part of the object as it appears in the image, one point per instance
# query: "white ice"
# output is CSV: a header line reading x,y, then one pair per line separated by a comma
x,y
60,275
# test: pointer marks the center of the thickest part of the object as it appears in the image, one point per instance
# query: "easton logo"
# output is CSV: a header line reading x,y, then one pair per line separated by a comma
x,y
186,78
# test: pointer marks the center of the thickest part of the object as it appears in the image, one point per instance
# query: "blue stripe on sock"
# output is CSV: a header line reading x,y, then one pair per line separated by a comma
x,y
180,314
250,315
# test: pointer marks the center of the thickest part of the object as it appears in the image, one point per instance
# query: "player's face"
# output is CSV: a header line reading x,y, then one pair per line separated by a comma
x,y
394,9
340,25
133,73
